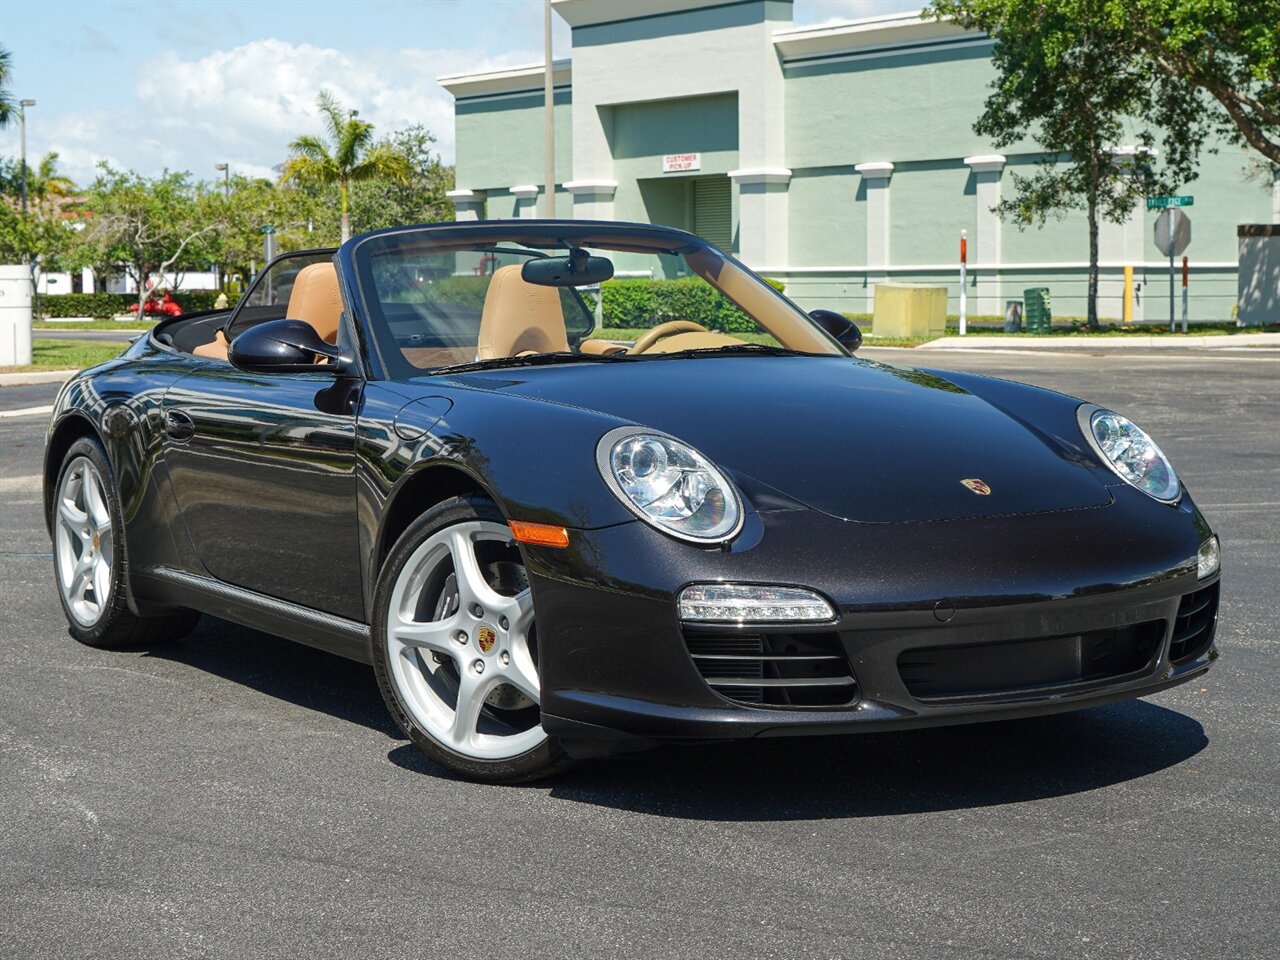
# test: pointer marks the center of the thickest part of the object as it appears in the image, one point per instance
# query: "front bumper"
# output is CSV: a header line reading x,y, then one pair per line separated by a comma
x,y
995,609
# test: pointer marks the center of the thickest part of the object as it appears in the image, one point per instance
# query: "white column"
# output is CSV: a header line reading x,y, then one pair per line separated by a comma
x,y
762,217
1122,243
468,204
592,199
15,315
987,170
876,177
526,195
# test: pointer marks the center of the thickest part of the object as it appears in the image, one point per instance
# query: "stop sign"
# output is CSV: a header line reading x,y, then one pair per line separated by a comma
x,y
1173,232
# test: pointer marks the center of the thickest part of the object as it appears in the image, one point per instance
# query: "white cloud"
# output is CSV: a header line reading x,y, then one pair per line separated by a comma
x,y
243,105
823,12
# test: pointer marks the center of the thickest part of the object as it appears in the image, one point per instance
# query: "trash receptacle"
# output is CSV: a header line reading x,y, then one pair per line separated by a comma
x,y
1038,315
1013,316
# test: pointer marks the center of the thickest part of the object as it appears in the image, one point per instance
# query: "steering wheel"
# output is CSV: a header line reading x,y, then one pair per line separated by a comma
x,y
664,330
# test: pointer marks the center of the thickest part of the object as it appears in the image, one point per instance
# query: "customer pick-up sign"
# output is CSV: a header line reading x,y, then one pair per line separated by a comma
x,y
681,162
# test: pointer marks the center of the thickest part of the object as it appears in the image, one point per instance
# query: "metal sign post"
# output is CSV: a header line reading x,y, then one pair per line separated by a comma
x,y
1172,236
964,256
269,252
1184,294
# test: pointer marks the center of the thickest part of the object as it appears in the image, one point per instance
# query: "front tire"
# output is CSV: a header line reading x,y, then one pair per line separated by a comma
x,y
455,646
90,560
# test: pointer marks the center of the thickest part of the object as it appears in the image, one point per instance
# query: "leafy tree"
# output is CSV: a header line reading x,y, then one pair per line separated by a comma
x,y
254,203
349,157
1067,79
6,95
149,225
27,238
418,198
1229,49
46,188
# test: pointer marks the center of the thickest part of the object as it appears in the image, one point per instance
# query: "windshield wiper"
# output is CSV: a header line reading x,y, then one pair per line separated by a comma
x,y
731,348
534,360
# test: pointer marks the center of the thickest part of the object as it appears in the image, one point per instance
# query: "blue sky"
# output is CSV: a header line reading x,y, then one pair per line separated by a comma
x,y
189,83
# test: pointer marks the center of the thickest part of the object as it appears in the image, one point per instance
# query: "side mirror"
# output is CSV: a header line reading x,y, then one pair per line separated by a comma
x,y
839,326
284,346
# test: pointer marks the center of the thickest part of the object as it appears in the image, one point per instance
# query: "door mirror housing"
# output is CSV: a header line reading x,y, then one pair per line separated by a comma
x,y
284,346
844,330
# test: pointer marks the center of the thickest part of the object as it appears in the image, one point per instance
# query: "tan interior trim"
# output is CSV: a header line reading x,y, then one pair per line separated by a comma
x,y
216,349
317,300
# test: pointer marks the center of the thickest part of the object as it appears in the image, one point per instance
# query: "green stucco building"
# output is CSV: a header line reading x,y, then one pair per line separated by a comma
x,y
830,157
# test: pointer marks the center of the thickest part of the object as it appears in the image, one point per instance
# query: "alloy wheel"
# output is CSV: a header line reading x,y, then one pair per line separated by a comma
x,y
84,542
462,645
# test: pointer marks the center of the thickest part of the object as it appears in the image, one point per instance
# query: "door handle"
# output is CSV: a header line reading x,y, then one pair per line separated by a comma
x,y
178,425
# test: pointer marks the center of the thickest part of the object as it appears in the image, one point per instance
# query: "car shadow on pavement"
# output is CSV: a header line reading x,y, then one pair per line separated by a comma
x,y
283,669
900,772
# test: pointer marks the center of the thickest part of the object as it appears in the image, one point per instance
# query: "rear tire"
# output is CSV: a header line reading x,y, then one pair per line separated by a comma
x,y
455,646
90,560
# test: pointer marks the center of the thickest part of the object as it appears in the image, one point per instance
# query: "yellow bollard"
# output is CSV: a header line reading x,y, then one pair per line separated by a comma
x,y
1128,294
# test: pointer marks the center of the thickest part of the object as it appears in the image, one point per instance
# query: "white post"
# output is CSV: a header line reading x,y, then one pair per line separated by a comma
x,y
964,264
15,315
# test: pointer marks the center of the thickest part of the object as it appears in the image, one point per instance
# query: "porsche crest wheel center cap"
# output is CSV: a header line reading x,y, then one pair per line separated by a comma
x,y
486,637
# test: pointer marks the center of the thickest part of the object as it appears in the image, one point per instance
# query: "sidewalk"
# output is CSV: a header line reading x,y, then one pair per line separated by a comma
x,y
34,376
1125,342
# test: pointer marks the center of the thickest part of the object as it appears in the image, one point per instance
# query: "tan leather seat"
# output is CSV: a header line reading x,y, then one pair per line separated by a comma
x,y
520,317
315,298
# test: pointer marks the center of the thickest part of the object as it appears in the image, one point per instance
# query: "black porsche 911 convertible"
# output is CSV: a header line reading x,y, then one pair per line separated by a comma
x,y
422,451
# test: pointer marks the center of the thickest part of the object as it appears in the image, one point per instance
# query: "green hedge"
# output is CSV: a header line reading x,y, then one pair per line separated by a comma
x,y
104,306
637,304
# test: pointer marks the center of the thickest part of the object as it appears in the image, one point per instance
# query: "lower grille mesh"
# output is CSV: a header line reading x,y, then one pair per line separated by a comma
x,y
1194,628
784,670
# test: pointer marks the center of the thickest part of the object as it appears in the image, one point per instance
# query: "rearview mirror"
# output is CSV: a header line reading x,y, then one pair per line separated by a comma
x,y
578,269
844,330
283,346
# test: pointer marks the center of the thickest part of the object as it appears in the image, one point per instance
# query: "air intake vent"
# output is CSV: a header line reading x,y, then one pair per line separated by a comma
x,y
1197,620
776,670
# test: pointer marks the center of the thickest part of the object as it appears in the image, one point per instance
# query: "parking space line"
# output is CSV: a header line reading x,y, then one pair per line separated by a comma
x,y
26,411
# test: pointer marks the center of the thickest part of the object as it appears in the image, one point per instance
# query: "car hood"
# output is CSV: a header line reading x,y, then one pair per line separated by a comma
x,y
857,440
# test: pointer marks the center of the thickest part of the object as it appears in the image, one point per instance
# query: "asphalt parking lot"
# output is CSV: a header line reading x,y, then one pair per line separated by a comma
x,y
234,795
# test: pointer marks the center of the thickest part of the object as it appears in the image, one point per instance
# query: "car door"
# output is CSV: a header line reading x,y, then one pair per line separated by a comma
x,y
263,467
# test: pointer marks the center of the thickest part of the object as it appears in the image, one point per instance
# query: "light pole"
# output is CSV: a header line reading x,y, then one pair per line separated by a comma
x,y
549,113
22,149
225,170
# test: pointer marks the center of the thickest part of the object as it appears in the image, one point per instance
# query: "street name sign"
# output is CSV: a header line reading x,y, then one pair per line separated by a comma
x,y
1163,203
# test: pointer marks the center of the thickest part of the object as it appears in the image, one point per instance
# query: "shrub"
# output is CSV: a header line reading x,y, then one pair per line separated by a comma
x,y
638,304
99,306
104,306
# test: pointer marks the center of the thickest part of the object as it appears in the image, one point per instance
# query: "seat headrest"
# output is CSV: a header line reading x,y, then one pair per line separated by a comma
x,y
520,317
316,299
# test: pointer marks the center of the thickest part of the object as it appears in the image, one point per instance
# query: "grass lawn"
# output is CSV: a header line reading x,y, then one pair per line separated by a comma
x,y
66,355
121,325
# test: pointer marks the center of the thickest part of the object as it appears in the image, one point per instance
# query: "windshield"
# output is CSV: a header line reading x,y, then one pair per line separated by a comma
x,y
469,296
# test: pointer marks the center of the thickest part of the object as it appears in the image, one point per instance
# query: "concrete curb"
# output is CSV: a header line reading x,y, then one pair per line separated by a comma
x,y
1132,342
35,376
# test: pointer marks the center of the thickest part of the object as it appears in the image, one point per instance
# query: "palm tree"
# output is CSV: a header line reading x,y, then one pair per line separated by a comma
x,y
346,158
6,95
46,186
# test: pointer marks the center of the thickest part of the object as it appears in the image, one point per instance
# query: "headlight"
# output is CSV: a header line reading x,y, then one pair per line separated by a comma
x,y
750,603
1129,452
1209,558
669,484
